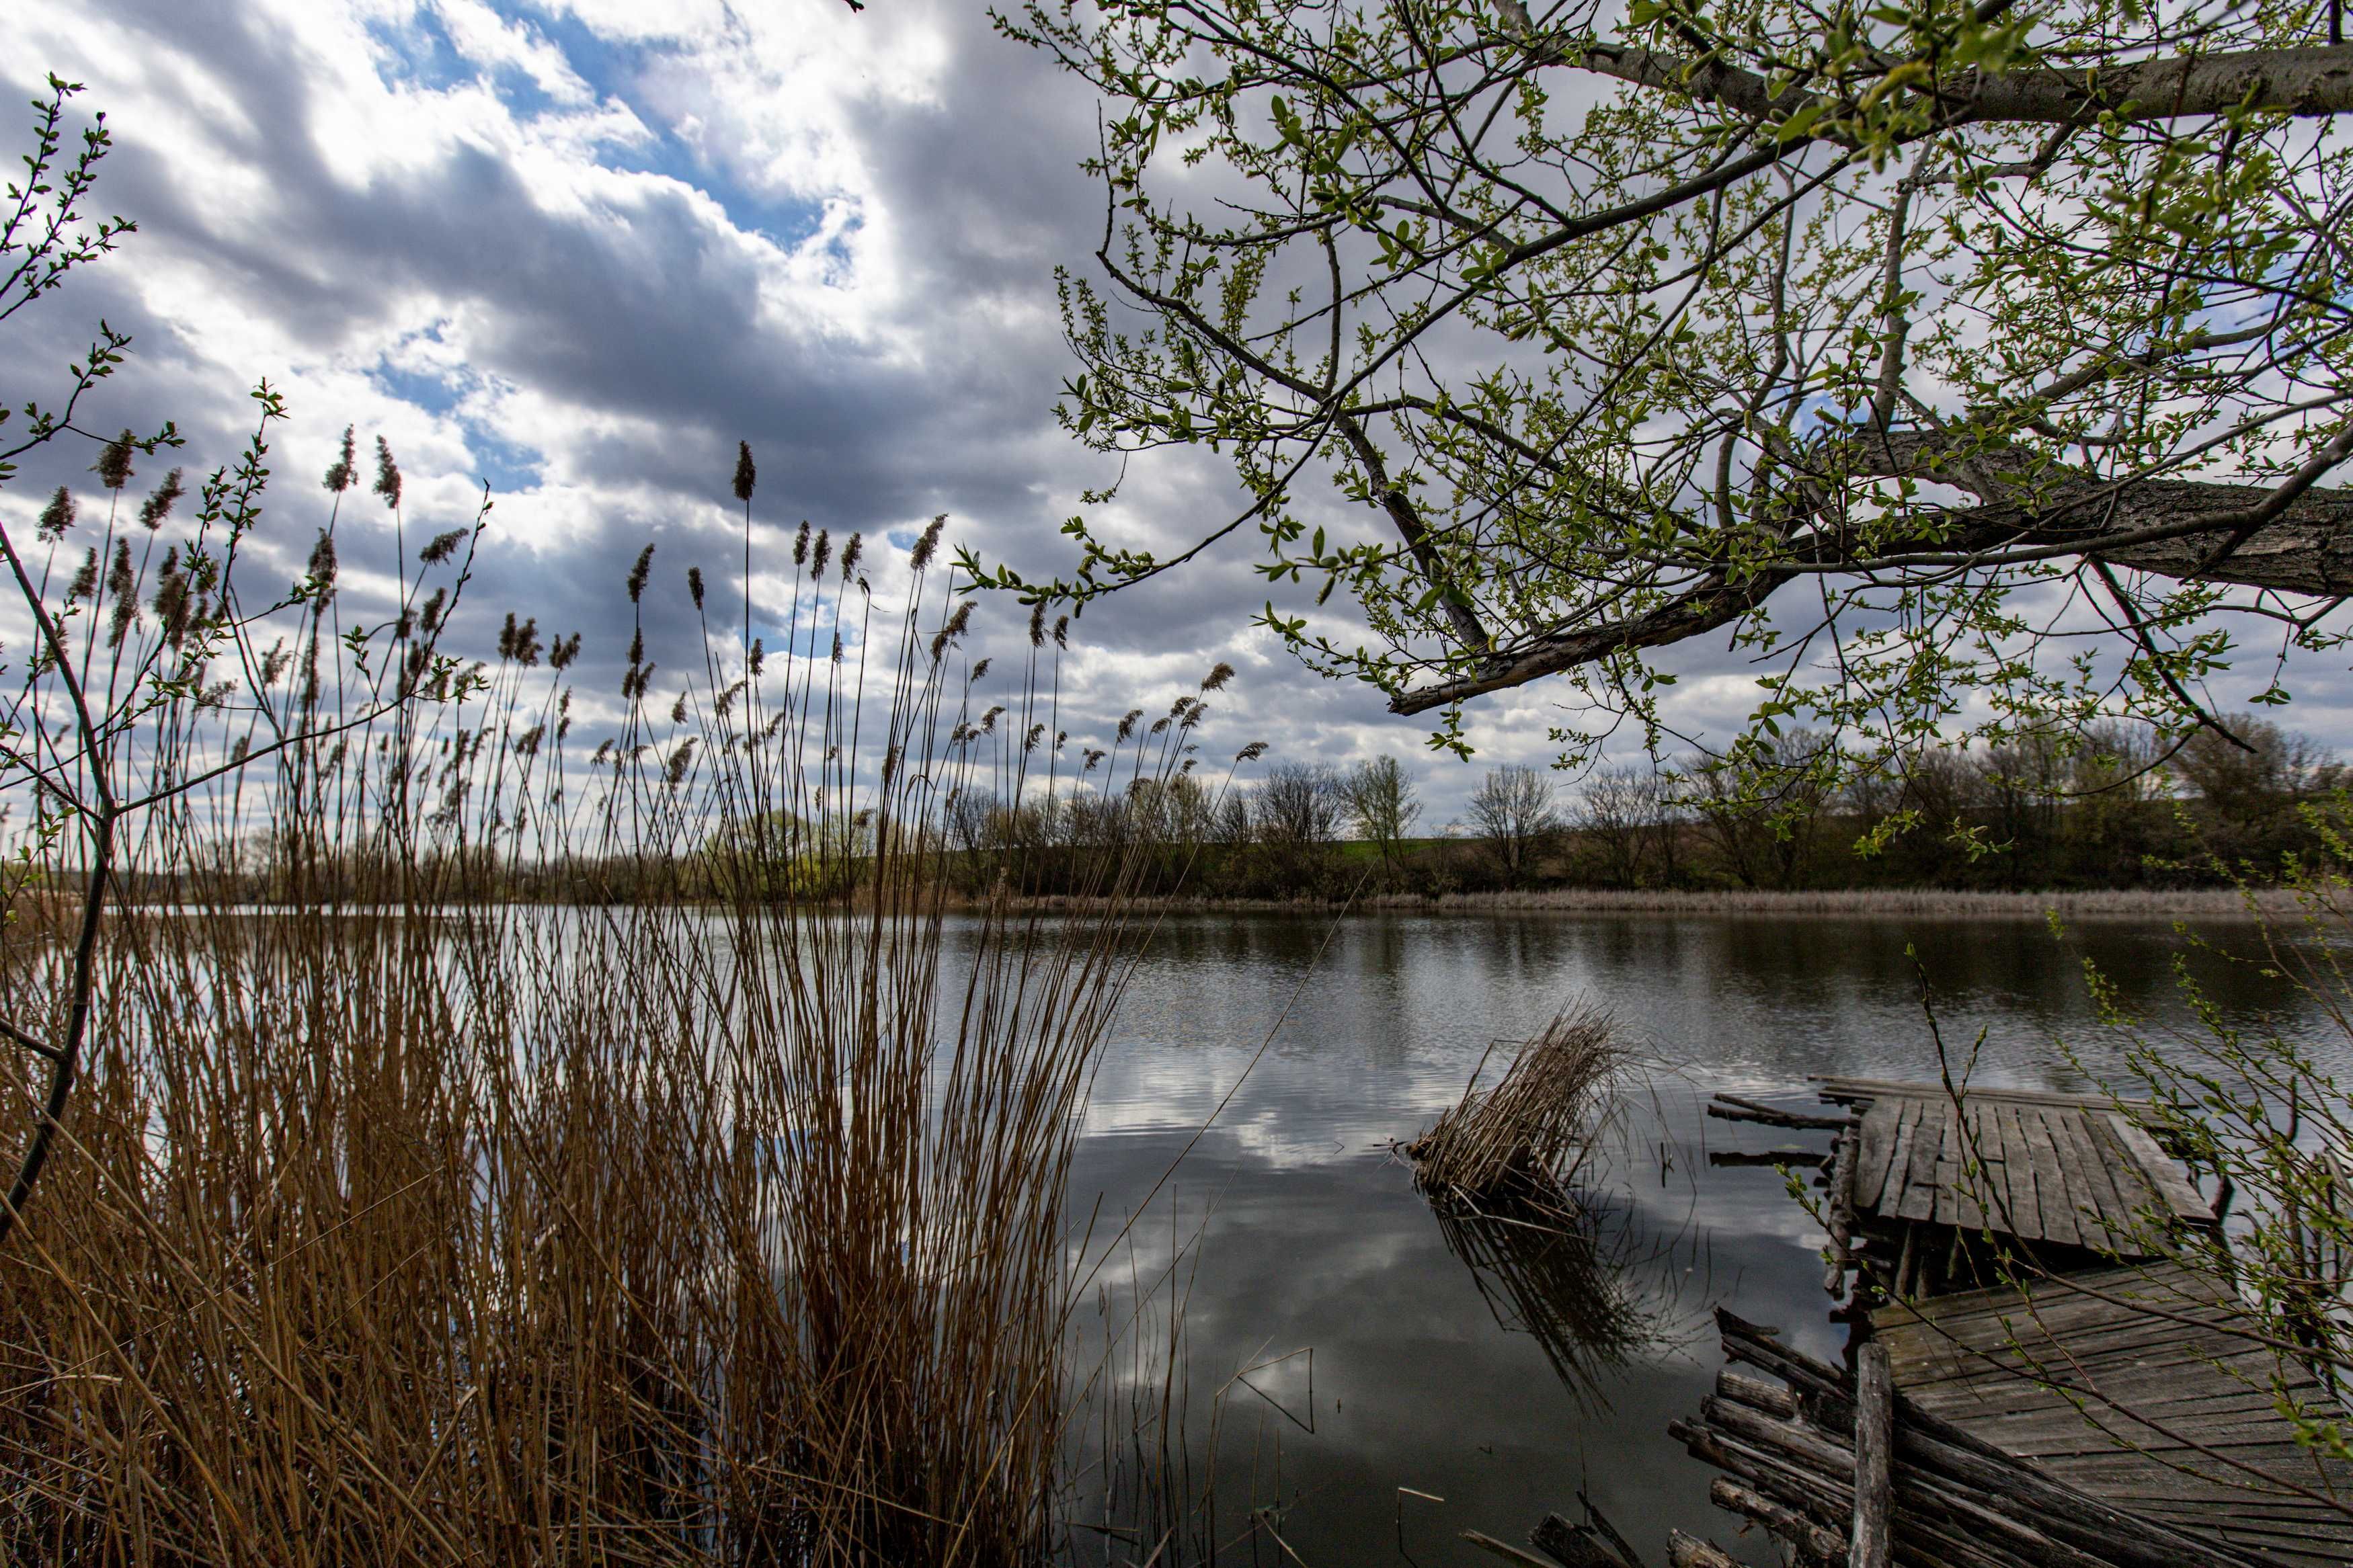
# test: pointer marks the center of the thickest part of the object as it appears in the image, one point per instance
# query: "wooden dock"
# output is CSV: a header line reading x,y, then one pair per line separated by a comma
x,y
1791,1454
2137,1385
2014,1257
2061,1170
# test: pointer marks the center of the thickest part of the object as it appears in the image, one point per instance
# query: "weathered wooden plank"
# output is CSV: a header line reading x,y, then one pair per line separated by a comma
x,y
2141,1215
1994,1151
2060,1429
2140,1400
1950,1156
2163,1171
2101,1218
2024,1217
2083,1361
2025,1382
2051,1203
2110,1436
2166,1285
2144,1211
1984,1156
2139,1479
2077,1202
1873,1151
1919,1197
2157,1313
1899,1160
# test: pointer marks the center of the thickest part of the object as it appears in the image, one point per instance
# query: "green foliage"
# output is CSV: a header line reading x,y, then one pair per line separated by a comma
x,y
1839,333
2263,1106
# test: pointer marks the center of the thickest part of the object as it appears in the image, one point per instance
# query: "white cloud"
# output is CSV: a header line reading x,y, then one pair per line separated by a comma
x,y
584,247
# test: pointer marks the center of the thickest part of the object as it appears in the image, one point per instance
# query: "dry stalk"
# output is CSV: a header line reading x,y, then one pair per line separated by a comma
x,y
714,1216
1529,1135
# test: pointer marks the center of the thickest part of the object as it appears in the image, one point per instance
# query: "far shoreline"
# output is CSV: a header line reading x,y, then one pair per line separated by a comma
x,y
2278,905
1937,904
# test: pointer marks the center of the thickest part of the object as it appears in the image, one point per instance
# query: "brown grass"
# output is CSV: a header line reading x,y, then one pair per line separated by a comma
x,y
1528,1134
393,1227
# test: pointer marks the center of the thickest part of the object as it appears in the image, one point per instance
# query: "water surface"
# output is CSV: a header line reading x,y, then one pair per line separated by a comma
x,y
1463,1367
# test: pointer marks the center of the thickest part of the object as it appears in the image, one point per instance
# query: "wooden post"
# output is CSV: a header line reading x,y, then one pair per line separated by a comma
x,y
1875,1449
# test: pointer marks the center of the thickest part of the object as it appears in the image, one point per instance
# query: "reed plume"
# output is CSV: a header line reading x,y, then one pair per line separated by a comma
x,y
715,1214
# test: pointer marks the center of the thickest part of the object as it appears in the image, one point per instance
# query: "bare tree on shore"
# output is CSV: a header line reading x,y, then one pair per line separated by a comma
x,y
1384,805
1513,814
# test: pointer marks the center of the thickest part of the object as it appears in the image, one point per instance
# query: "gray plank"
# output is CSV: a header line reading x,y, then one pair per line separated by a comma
x,y
2090,1196
2018,1175
2138,1216
1950,1159
1874,1151
2052,1203
1872,1088
1980,1180
2145,1209
2163,1171
1919,1199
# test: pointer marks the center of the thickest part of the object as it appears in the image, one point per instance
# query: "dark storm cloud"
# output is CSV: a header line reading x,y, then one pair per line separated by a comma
x,y
639,309
591,303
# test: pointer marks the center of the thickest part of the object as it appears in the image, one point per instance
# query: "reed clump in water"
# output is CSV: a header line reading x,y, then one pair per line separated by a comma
x,y
723,1222
1529,1135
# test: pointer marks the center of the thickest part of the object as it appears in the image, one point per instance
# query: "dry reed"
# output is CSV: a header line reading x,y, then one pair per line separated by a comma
x,y
721,1223
1529,1134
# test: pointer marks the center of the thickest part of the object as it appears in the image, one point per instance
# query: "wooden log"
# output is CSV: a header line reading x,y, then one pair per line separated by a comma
x,y
1744,1157
1691,1551
1609,1533
1965,1527
1777,1475
1874,1453
1733,1108
1791,1526
1742,1389
1840,1212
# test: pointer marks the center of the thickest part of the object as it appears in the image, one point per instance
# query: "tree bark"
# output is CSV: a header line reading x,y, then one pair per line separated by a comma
x,y
2181,529
2310,82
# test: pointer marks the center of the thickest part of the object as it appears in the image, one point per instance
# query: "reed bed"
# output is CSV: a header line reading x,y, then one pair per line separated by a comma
x,y
719,1219
1949,904
1529,1134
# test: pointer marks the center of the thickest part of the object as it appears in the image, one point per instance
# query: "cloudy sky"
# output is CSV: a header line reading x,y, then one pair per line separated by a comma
x,y
578,249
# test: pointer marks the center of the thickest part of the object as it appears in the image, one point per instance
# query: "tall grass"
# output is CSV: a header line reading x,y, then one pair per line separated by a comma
x,y
1529,1134
720,1221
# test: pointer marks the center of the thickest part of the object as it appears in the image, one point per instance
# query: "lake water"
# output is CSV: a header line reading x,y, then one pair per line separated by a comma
x,y
1299,1230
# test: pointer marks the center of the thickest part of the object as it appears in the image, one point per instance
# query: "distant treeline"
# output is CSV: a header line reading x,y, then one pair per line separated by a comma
x,y
2110,813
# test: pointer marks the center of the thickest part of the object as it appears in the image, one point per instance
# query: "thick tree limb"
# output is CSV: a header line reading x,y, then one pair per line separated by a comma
x,y
2290,537
2306,81
1716,602
2167,527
